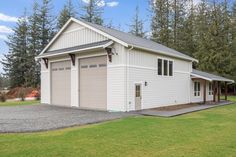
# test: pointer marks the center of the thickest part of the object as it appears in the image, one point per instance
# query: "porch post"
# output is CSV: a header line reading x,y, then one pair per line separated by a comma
x,y
214,91
218,91
204,91
226,90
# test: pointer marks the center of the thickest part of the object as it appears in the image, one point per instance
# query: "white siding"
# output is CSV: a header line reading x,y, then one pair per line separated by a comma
x,y
195,99
45,84
76,35
160,90
116,81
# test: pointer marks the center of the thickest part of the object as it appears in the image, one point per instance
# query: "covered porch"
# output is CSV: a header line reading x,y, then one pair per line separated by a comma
x,y
213,83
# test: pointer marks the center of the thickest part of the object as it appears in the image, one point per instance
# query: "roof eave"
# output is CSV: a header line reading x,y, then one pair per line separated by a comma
x,y
211,79
100,47
164,53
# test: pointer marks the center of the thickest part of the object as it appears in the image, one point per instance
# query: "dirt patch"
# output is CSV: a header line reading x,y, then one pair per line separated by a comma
x,y
29,92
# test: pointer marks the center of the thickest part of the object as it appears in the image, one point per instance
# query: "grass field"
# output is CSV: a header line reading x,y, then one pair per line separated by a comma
x,y
209,133
18,103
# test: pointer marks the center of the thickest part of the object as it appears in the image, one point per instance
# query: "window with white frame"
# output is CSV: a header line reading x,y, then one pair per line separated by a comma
x,y
197,88
164,67
159,66
210,89
170,68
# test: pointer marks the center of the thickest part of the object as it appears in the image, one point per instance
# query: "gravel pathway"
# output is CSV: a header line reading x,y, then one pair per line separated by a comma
x,y
45,117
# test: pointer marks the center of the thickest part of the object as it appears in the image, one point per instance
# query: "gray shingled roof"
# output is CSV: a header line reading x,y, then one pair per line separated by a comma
x,y
140,42
210,77
75,48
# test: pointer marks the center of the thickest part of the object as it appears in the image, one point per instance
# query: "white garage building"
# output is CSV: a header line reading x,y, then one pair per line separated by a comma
x,y
93,67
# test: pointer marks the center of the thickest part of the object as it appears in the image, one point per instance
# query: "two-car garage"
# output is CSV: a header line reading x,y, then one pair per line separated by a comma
x,y
92,83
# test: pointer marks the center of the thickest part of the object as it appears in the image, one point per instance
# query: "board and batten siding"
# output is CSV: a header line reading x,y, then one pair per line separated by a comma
x,y
160,90
116,80
75,35
45,83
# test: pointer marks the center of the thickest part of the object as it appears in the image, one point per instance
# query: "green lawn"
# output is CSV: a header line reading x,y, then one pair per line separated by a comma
x,y
209,133
19,103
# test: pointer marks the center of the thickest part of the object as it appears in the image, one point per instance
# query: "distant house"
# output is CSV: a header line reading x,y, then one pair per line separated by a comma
x,y
93,67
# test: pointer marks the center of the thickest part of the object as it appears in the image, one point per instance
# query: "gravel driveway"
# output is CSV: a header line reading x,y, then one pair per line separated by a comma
x,y
45,117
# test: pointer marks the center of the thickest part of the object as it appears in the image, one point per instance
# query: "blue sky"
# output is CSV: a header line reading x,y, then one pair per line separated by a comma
x,y
119,11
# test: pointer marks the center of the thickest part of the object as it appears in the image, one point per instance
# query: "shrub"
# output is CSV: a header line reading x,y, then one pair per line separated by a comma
x,y
3,97
22,94
38,96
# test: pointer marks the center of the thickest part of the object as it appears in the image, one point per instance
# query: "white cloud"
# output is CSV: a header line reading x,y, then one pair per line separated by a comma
x,y
7,18
112,4
5,29
86,1
3,37
102,3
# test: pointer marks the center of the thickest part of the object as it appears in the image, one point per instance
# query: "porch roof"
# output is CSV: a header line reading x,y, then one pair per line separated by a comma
x,y
209,77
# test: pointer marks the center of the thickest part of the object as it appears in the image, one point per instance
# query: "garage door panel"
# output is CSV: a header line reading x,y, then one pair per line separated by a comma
x,y
61,83
93,83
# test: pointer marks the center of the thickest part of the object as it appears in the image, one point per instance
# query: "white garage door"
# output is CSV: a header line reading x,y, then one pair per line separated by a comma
x,y
61,83
93,83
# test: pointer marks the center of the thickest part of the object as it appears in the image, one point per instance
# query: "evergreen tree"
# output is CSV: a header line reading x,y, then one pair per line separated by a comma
x,y
213,44
202,37
66,13
178,12
160,21
233,40
92,11
15,62
46,24
34,46
136,27
110,24
189,32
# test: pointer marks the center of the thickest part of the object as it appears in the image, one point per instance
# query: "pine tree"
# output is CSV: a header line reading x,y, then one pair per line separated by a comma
x,y
202,37
233,40
160,21
213,39
15,62
189,32
46,23
34,46
92,11
233,27
136,27
66,13
110,24
178,12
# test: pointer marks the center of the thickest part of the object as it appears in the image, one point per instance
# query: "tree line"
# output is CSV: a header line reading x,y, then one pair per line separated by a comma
x,y
205,31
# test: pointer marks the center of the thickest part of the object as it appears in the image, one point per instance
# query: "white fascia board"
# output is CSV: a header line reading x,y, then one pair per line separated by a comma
x,y
101,32
74,51
164,53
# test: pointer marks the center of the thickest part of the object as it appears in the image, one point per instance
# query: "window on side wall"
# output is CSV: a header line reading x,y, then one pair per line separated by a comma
x,y
170,68
165,67
210,89
197,88
159,66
